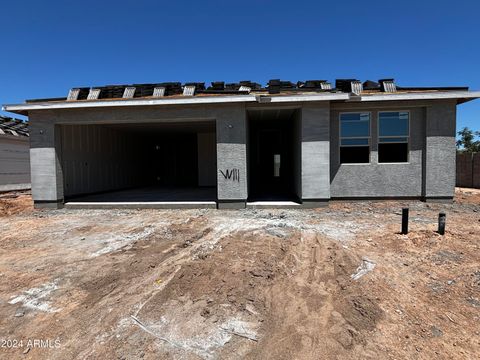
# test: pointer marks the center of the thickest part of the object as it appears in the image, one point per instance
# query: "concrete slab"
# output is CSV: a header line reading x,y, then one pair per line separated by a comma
x,y
152,194
148,198
231,205
142,205
15,187
273,204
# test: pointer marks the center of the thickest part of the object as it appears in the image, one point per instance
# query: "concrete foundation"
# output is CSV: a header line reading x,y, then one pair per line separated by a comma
x,y
231,204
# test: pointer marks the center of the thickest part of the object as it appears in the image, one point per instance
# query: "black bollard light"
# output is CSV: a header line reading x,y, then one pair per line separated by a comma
x,y
405,221
441,223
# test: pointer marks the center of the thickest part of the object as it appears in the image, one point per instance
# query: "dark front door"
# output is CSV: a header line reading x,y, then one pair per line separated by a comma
x,y
271,170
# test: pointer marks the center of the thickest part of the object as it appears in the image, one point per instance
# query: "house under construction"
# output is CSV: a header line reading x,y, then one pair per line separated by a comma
x,y
243,144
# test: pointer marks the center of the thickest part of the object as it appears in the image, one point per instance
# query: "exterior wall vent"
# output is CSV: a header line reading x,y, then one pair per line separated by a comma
x,y
388,85
245,88
129,92
73,94
159,91
188,90
93,94
357,87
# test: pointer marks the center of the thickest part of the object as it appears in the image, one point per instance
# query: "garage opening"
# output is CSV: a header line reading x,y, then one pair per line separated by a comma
x,y
274,155
145,163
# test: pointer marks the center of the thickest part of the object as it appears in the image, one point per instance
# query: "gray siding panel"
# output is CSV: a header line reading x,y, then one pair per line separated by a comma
x,y
97,159
14,160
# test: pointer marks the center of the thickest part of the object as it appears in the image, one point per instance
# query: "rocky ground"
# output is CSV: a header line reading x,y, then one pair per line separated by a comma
x,y
332,283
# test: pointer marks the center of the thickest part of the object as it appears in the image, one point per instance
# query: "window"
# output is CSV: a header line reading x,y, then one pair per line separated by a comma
x,y
393,136
354,138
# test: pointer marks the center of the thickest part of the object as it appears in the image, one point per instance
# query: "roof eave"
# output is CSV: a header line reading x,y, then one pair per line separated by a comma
x,y
23,109
460,96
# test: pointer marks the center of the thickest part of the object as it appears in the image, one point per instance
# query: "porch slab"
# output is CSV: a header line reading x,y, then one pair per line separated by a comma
x,y
273,204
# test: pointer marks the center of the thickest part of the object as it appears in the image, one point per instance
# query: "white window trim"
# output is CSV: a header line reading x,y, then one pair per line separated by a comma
x,y
369,137
395,142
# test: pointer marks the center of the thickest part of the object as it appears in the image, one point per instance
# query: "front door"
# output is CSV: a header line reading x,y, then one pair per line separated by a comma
x,y
271,172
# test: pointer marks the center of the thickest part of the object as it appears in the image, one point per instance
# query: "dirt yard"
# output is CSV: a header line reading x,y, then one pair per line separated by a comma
x,y
332,283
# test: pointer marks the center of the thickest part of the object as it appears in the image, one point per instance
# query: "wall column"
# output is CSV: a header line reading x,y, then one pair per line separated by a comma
x,y
45,165
232,157
315,137
440,152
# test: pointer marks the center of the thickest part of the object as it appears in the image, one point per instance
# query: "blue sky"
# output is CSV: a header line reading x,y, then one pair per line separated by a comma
x,y
50,46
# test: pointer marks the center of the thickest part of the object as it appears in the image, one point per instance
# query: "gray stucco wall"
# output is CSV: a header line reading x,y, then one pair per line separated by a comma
x,y
374,179
315,139
45,165
14,162
232,154
440,150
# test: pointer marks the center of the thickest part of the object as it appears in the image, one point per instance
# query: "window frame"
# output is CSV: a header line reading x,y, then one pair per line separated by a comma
x,y
392,137
369,137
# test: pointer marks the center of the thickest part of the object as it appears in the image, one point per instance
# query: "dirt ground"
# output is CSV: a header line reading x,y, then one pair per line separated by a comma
x,y
332,283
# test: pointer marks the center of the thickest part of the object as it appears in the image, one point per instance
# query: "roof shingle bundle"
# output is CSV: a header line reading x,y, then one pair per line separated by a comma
x,y
274,86
11,126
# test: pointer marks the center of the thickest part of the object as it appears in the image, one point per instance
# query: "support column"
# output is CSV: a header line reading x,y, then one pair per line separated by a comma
x,y
232,158
45,165
315,137
440,152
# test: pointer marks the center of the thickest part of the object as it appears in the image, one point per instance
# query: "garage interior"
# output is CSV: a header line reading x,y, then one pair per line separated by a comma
x,y
274,155
144,163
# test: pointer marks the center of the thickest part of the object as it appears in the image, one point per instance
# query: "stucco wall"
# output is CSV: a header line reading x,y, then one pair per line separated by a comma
x,y
14,162
45,165
440,151
315,139
232,155
374,179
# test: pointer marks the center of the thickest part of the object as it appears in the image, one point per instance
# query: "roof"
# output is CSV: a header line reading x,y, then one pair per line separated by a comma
x,y
175,93
11,126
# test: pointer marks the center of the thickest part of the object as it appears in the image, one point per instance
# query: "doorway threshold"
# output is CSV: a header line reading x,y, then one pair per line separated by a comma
x,y
273,204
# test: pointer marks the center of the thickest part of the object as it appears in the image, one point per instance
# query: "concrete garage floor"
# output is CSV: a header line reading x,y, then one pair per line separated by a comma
x,y
149,197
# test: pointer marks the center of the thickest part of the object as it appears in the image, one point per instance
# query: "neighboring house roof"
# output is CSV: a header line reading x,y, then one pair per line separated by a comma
x,y
11,126
171,93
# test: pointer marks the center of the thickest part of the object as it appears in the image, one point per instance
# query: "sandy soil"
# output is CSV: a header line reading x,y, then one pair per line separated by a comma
x,y
333,283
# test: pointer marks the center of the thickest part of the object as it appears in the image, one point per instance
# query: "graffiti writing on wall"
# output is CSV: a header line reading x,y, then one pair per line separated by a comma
x,y
232,174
